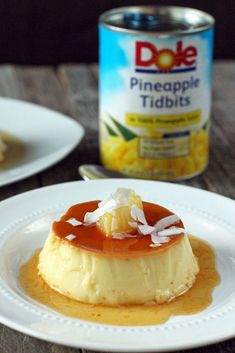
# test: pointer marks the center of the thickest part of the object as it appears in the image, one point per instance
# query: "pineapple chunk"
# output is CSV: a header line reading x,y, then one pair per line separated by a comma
x,y
116,221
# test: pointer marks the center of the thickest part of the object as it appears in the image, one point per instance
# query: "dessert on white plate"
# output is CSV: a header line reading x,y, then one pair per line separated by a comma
x,y
118,251
74,323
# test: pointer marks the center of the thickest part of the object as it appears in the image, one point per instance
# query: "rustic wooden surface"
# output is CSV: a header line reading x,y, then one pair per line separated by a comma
x,y
72,89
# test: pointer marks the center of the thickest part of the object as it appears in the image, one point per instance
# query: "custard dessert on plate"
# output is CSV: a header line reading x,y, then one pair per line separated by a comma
x,y
118,251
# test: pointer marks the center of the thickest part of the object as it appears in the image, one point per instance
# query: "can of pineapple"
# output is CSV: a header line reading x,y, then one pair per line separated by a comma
x,y
155,91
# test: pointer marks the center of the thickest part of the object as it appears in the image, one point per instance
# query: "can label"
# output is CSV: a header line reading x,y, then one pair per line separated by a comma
x,y
155,98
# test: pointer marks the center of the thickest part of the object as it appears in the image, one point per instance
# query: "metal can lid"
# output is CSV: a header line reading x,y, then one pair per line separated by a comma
x,y
157,20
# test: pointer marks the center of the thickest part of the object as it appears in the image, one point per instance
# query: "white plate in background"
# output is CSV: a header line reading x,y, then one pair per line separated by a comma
x,y
46,135
25,228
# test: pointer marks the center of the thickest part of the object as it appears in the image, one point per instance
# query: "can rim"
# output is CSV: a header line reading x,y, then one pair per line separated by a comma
x,y
208,18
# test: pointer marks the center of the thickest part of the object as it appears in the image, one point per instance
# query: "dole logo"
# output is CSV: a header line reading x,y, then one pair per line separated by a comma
x,y
178,60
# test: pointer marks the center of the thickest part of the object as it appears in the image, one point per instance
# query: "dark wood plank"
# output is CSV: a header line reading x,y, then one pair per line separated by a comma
x,y
224,347
18,187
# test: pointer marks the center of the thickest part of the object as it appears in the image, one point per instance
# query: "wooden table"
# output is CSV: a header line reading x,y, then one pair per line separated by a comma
x,y
72,89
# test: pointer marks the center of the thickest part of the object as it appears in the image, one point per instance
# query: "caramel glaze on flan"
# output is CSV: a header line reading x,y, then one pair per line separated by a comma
x,y
95,269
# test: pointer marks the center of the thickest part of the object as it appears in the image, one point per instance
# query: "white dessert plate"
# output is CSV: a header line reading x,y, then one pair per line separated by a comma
x,y
24,224
45,137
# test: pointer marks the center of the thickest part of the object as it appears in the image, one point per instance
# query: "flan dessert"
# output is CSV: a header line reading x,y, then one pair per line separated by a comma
x,y
2,148
118,251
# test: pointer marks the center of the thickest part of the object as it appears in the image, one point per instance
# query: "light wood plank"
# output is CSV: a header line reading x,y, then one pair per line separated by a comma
x,y
79,84
220,176
41,86
13,341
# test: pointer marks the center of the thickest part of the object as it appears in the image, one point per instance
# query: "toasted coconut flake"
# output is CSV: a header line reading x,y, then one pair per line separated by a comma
x,y
166,222
93,217
137,214
121,198
122,235
158,240
118,235
154,245
74,222
145,229
171,231
133,225
159,234
70,237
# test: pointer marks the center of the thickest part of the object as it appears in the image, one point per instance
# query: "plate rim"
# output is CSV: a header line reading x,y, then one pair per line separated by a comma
x,y
64,117
108,347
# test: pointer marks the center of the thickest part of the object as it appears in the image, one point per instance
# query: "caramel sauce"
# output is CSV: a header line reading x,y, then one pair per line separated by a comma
x,y
92,239
15,150
194,301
